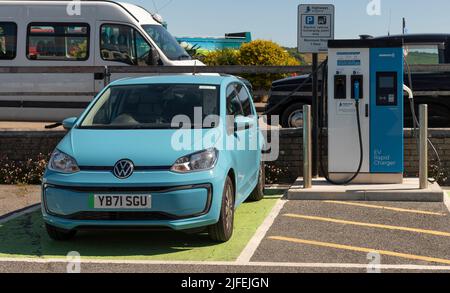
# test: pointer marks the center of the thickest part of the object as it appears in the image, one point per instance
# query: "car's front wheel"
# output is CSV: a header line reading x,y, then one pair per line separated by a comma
x,y
59,234
223,230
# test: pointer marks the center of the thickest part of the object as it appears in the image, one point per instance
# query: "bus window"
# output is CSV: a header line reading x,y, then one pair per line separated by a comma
x,y
122,43
59,42
166,42
8,40
142,50
117,43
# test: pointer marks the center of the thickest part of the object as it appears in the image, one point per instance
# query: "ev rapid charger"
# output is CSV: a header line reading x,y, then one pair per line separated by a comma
x,y
365,76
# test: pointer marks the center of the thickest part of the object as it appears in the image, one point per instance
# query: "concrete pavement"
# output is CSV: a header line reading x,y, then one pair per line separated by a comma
x,y
16,197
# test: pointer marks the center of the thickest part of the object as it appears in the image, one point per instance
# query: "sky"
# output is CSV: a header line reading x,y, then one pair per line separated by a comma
x,y
277,19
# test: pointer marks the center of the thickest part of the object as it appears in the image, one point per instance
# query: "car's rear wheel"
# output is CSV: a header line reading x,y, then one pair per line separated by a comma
x,y
293,116
258,193
223,230
59,234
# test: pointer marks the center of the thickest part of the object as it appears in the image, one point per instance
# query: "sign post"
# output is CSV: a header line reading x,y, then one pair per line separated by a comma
x,y
315,29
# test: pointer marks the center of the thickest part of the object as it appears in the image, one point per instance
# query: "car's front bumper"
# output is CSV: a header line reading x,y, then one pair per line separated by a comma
x,y
191,203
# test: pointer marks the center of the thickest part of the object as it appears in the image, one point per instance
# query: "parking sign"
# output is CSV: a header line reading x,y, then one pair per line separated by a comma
x,y
315,27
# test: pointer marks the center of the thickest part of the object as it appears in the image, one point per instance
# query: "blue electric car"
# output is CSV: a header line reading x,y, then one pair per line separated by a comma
x,y
179,152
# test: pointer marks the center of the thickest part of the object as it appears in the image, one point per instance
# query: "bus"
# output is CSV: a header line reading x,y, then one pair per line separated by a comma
x,y
57,34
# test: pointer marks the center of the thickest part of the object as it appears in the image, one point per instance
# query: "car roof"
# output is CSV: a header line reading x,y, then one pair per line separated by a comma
x,y
177,79
418,38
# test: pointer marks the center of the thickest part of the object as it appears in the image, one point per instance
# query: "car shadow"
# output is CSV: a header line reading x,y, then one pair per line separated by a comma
x,y
26,236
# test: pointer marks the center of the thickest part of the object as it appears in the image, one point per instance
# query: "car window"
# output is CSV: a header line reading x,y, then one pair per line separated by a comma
x,y
244,98
152,106
234,107
8,40
423,54
58,41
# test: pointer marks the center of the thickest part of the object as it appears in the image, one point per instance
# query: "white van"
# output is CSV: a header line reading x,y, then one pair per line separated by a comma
x,y
59,33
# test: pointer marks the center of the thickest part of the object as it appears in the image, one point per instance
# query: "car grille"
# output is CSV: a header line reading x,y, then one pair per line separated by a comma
x,y
119,216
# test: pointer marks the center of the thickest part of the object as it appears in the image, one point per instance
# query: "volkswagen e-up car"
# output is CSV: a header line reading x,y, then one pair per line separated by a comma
x,y
179,152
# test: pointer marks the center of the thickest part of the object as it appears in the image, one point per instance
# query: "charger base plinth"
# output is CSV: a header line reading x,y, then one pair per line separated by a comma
x,y
407,191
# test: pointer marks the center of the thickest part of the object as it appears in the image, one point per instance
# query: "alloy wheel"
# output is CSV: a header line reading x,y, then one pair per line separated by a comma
x,y
229,208
296,119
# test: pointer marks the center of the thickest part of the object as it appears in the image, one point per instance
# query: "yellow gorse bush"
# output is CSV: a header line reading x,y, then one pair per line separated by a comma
x,y
266,53
258,52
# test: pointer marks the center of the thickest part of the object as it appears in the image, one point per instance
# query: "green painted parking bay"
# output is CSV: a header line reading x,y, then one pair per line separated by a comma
x,y
26,237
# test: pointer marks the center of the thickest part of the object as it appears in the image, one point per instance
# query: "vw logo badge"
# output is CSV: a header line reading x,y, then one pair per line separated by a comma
x,y
123,169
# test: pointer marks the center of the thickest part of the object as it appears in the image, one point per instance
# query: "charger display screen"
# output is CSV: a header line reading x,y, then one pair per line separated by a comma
x,y
387,82
387,91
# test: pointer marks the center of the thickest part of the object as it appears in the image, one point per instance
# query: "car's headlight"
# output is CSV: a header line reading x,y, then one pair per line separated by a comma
x,y
63,163
200,161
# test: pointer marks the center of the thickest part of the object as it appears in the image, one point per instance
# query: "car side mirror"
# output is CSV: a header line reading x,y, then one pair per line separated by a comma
x,y
69,123
153,57
242,123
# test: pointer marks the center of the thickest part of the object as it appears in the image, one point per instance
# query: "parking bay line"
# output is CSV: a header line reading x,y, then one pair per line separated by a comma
x,y
254,242
389,227
385,208
231,263
362,249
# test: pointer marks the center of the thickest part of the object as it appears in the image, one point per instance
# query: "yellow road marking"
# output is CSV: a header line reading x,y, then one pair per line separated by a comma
x,y
330,220
385,208
362,249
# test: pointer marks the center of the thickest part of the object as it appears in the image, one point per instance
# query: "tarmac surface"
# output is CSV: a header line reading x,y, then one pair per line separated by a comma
x,y
340,232
296,237
26,267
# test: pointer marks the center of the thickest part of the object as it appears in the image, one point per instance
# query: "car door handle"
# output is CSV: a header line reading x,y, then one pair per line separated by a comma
x,y
99,76
367,110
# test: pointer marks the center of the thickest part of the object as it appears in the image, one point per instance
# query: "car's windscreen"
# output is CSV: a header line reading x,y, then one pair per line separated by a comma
x,y
166,42
154,106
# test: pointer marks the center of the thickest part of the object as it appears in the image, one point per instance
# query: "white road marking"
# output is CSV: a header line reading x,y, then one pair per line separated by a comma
x,y
260,233
232,263
243,260
447,199
21,213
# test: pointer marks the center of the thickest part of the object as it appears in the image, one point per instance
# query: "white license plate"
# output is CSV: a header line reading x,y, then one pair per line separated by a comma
x,y
105,201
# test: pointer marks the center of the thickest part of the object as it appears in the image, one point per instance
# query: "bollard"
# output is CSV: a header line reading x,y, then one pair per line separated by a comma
x,y
307,147
423,162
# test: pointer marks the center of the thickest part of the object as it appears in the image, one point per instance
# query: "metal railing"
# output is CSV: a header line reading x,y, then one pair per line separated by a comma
x,y
104,73
229,69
